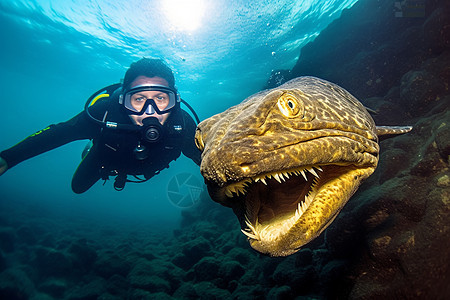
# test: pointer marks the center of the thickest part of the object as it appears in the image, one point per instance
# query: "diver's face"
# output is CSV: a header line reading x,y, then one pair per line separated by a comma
x,y
157,96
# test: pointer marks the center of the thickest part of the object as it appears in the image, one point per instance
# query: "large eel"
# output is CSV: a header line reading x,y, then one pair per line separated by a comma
x,y
287,160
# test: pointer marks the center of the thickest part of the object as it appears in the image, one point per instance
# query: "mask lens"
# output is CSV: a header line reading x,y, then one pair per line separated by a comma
x,y
137,101
150,99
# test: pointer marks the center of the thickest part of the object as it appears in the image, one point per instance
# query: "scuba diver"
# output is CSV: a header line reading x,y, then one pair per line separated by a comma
x,y
135,130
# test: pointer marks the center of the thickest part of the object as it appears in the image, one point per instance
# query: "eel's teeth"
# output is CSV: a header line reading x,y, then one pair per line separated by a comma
x,y
319,168
304,175
277,177
250,235
249,224
263,181
262,232
308,200
228,193
311,170
253,234
302,207
298,211
314,183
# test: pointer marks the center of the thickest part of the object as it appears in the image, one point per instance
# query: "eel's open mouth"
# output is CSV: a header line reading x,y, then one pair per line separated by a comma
x,y
292,206
273,205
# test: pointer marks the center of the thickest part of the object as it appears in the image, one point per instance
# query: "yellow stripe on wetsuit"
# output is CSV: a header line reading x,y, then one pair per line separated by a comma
x,y
39,132
98,97
92,103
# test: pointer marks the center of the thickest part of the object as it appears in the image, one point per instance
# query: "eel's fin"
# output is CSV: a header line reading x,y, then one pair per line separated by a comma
x,y
388,131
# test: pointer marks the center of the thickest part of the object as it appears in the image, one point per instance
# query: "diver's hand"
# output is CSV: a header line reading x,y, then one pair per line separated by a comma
x,y
3,166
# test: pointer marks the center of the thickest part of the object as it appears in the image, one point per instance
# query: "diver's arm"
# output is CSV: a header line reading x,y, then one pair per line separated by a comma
x,y
3,166
51,137
189,149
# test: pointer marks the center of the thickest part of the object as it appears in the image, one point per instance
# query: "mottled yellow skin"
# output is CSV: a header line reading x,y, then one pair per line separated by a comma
x,y
305,123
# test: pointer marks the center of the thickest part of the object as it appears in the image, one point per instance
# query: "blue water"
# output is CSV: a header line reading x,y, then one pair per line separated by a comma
x,y
54,54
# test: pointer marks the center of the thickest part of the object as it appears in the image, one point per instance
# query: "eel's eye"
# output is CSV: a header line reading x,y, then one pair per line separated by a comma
x,y
199,140
289,106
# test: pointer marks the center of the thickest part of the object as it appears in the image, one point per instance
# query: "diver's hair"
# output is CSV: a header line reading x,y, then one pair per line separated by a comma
x,y
150,68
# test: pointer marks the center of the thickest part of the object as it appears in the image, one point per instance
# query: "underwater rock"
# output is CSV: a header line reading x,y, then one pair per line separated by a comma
x,y
442,138
155,276
228,241
54,287
139,294
83,255
387,109
109,264
192,252
282,292
244,257
160,296
407,239
331,278
254,272
7,240
418,91
257,292
437,37
206,229
232,285
51,262
41,296
89,291
229,270
207,269
207,290
144,295
265,269
431,150
371,57
340,238
299,279
186,291
26,235
117,285
151,283
188,217
391,163
201,290
48,240
304,258
15,285
106,296
2,262
169,272
182,261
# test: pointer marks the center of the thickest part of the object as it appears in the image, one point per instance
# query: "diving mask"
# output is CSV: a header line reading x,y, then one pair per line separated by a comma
x,y
149,99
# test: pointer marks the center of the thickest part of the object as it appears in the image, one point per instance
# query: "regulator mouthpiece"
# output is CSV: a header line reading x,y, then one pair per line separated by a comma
x,y
152,130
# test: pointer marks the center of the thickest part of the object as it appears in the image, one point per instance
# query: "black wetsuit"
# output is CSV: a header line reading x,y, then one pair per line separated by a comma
x,y
112,152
